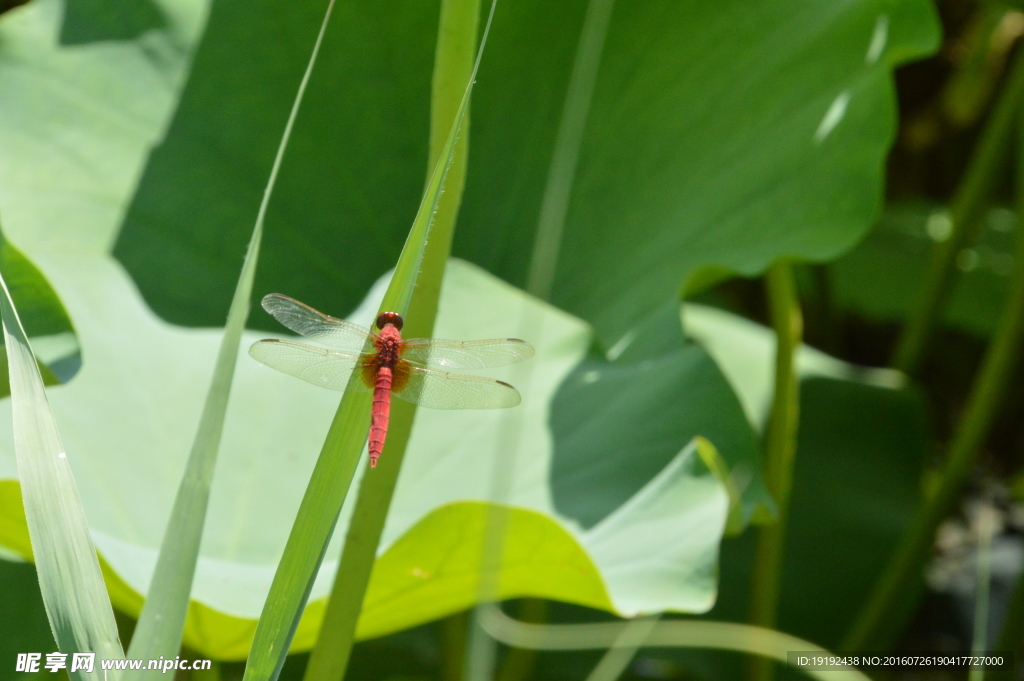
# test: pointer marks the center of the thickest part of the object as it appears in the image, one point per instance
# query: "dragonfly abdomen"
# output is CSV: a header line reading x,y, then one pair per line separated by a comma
x,y
380,414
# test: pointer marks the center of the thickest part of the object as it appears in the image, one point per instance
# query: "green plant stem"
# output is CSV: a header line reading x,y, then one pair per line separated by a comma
x,y
519,662
876,621
1011,638
454,57
481,654
481,647
986,523
452,634
618,657
562,174
679,633
966,213
481,651
779,451
330,657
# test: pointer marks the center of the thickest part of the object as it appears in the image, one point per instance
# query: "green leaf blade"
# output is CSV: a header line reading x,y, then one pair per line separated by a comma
x,y
310,534
72,585
162,621
328,487
456,61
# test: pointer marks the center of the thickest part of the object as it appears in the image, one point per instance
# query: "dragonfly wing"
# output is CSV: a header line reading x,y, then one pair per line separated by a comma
x,y
318,366
304,320
441,390
479,354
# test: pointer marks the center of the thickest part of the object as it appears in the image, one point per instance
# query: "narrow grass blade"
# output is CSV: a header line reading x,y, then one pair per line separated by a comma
x,y
407,272
69,572
340,454
162,620
454,64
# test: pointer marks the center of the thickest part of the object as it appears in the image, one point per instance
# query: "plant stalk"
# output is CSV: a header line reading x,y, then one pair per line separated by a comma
x,y
986,524
1011,638
519,662
562,174
779,453
676,633
452,634
454,67
618,657
967,216
876,623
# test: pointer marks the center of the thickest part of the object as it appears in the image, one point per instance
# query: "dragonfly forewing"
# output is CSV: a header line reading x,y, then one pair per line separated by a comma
x,y
318,366
304,320
441,390
479,354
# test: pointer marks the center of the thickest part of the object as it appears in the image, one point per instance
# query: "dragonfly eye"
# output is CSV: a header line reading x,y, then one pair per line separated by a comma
x,y
393,318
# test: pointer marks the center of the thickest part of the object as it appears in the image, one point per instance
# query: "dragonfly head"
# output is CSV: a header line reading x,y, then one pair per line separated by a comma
x,y
393,318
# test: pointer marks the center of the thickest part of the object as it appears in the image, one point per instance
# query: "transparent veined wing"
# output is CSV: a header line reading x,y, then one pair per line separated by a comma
x,y
441,390
480,354
304,320
314,365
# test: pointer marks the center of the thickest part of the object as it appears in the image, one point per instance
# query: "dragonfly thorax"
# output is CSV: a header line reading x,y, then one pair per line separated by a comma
x,y
388,342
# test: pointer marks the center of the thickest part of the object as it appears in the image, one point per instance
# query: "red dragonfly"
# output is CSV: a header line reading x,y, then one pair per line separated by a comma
x,y
387,363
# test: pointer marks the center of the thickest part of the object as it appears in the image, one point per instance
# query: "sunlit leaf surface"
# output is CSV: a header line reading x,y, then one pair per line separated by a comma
x,y
272,436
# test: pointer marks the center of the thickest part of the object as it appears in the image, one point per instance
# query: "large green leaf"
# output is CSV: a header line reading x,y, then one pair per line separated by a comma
x,y
361,150
607,446
76,123
88,21
726,133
